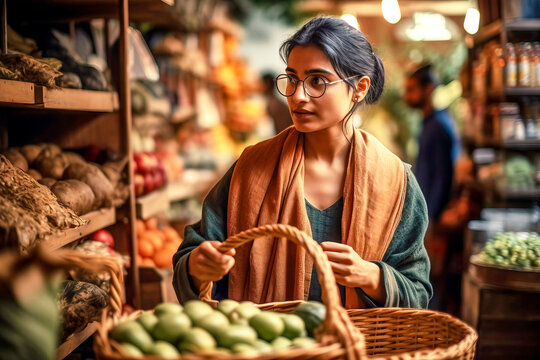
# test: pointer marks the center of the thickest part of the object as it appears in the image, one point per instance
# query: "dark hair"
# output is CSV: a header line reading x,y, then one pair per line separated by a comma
x,y
347,49
425,75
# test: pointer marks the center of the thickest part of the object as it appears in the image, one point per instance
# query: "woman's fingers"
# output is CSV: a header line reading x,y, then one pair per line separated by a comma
x,y
339,257
340,269
209,249
334,246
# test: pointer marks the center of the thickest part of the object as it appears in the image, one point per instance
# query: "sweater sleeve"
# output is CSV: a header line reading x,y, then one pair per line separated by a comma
x,y
405,265
212,226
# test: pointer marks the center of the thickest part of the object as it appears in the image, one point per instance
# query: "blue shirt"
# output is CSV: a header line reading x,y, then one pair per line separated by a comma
x,y
438,150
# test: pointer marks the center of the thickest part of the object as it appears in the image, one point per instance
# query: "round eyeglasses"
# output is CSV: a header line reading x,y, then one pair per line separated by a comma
x,y
314,85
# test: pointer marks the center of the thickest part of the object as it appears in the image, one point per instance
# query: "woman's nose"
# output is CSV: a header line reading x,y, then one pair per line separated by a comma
x,y
300,94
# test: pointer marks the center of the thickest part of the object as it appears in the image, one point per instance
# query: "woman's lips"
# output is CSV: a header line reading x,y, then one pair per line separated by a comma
x,y
303,113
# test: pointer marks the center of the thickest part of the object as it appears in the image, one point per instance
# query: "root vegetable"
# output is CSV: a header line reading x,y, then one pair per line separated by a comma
x,y
17,159
75,194
31,152
96,179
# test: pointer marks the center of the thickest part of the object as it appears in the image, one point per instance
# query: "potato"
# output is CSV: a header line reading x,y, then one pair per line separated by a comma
x,y
93,177
35,174
72,157
31,152
51,166
47,181
52,149
75,194
16,159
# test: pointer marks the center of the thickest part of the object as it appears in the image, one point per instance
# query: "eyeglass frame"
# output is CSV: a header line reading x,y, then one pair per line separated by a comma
x,y
304,85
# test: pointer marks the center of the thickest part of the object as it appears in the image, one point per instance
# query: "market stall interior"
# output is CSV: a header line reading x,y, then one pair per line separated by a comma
x,y
117,117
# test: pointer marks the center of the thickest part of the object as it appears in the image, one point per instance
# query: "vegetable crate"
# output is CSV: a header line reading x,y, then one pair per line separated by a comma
x,y
389,333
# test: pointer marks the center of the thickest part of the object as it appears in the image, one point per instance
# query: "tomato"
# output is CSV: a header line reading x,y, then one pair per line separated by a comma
x,y
103,236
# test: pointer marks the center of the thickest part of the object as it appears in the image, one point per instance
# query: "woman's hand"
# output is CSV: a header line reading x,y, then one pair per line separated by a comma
x,y
206,263
352,271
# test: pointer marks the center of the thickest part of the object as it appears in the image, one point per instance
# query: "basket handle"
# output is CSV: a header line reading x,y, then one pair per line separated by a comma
x,y
337,322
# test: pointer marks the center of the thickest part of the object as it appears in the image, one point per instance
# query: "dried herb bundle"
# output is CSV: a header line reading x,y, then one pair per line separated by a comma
x,y
29,212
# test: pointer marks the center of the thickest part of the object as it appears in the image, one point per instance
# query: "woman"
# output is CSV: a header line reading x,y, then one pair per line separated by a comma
x,y
339,184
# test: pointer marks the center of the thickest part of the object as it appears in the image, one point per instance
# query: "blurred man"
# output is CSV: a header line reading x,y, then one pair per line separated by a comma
x,y
277,109
438,142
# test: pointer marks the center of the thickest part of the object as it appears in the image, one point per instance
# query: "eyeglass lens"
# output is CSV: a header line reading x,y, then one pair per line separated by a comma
x,y
314,85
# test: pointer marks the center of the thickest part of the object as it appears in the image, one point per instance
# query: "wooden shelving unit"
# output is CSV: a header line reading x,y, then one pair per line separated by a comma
x,y
498,302
95,220
152,204
75,340
83,115
81,112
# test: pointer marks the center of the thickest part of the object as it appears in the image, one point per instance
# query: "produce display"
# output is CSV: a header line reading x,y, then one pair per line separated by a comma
x,y
519,172
513,249
233,328
156,244
80,185
29,212
150,174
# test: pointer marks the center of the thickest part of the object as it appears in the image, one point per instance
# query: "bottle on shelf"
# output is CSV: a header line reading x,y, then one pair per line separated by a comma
x,y
509,116
524,71
511,65
536,62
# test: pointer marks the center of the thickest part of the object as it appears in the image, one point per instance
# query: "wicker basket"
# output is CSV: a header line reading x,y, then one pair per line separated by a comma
x,y
390,333
76,260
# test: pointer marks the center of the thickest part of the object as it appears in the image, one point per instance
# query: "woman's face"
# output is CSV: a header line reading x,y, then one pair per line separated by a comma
x,y
314,114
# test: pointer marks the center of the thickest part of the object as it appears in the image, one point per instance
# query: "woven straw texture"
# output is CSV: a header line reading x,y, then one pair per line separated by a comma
x,y
76,260
389,333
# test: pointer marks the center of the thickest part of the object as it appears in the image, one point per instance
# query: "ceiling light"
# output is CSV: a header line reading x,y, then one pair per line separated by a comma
x,y
472,21
391,11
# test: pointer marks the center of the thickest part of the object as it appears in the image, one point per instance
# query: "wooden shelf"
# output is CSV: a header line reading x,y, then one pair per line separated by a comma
x,y
533,144
193,184
77,100
512,25
152,204
76,339
16,93
522,91
522,195
96,220
522,25
28,95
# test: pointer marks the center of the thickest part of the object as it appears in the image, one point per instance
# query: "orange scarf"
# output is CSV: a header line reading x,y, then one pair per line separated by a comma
x,y
267,187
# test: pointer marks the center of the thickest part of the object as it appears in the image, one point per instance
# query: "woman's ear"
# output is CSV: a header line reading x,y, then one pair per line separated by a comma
x,y
361,89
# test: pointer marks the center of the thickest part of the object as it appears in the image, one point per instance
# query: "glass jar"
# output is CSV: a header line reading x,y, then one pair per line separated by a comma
x,y
524,68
